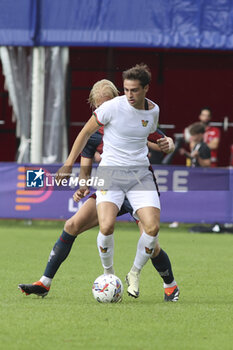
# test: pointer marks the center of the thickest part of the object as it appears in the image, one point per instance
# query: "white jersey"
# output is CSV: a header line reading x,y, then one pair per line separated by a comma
x,y
125,132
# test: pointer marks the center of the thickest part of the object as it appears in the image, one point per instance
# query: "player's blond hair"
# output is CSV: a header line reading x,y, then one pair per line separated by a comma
x,y
102,88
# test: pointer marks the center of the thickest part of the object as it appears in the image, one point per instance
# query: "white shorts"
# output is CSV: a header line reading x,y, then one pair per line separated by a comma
x,y
142,193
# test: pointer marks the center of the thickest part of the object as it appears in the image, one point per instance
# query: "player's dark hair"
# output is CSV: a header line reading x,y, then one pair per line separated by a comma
x,y
206,109
197,128
139,72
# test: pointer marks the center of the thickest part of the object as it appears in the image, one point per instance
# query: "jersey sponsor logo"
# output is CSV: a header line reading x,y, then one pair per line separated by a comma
x,y
144,123
103,250
148,250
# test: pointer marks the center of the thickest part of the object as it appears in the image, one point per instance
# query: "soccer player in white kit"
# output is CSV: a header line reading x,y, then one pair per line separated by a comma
x,y
86,217
127,120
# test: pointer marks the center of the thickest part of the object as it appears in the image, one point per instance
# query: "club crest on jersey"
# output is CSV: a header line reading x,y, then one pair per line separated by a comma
x,y
103,250
103,192
144,123
148,250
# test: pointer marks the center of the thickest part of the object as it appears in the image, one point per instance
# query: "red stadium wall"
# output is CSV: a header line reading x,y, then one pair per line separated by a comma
x,y
183,82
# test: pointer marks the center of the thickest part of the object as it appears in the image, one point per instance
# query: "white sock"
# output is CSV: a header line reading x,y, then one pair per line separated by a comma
x,y
170,285
145,249
105,246
135,269
46,281
109,271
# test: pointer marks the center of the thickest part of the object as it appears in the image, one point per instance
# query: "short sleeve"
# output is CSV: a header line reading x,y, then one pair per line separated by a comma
x,y
103,113
156,120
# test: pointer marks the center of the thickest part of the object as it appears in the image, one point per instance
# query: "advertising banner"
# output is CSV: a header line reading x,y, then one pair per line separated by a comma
x,y
189,195
169,24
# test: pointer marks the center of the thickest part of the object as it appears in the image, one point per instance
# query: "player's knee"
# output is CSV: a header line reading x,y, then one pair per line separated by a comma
x,y
107,228
71,227
152,229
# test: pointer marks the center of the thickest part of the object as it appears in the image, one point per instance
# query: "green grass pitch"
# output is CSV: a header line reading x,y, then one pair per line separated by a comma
x,y
69,317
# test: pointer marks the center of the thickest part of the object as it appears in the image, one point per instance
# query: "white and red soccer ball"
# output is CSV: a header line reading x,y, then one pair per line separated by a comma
x,y
107,289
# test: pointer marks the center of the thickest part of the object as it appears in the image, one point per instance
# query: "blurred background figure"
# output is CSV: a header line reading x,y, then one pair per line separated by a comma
x,y
200,154
211,136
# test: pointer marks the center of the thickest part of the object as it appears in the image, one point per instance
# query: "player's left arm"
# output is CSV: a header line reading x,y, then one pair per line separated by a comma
x,y
166,144
153,146
158,141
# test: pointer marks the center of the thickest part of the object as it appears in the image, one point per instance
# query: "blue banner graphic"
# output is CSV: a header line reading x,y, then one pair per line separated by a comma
x,y
169,24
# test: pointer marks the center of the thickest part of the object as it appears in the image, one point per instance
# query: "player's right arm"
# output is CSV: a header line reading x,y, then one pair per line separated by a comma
x,y
90,127
85,173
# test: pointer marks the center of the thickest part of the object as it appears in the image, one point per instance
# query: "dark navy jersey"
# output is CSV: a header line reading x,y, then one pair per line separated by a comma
x,y
92,145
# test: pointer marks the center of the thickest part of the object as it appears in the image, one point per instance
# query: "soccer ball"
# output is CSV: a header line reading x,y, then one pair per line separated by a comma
x,y
107,289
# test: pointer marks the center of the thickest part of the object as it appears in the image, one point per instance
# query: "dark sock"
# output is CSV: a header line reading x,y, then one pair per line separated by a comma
x,y
59,253
163,265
